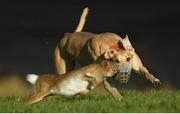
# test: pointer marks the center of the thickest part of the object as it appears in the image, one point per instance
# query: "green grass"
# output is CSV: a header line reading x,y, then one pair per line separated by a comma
x,y
133,101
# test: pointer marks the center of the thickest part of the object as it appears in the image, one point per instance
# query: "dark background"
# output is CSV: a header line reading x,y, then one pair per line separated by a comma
x,y
29,33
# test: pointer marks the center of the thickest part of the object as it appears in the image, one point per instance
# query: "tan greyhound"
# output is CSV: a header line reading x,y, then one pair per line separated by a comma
x,y
84,48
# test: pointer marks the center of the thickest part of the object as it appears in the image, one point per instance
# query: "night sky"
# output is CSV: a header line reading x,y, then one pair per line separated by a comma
x,y
30,31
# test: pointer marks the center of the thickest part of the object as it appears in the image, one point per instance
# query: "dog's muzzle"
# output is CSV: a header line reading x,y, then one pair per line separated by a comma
x,y
123,74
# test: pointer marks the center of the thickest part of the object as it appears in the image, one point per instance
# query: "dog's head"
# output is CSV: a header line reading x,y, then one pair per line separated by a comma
x,y
124,58
109,68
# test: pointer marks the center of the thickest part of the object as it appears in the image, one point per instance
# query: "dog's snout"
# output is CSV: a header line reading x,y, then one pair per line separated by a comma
x,y
124,72
124,77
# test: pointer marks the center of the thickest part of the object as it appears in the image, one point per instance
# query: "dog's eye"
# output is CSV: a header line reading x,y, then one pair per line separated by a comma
x,y
128,59
112,52
117,61
114,70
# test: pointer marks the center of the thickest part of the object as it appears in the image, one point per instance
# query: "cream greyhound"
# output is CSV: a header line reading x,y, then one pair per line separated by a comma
x,y
85,48
79,81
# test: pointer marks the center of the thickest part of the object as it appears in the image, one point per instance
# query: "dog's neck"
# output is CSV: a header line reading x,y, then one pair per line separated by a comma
x,y
116,46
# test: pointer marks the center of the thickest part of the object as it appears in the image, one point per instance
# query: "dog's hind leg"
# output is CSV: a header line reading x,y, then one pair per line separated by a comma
x,y
37,97
59,62
42,90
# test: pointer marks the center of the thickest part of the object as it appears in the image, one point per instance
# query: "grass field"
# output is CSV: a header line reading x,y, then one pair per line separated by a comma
x,y
133,101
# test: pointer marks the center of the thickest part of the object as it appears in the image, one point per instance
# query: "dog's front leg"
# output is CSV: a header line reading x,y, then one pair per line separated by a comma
x,y
140,69
93,80
143,71
112,90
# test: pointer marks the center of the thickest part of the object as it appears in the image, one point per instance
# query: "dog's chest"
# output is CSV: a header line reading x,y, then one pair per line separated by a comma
x,y
72,86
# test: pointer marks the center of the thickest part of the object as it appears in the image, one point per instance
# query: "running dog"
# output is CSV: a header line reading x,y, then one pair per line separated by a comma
x,y
79,81
84,48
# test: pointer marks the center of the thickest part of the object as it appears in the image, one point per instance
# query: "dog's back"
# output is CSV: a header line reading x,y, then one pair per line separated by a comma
x,y
75,40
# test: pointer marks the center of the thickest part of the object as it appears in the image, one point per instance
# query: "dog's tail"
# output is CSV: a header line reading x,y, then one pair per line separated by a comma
x,y
82,20
32,78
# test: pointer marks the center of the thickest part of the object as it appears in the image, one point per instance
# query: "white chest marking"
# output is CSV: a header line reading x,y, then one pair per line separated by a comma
x,y
72,86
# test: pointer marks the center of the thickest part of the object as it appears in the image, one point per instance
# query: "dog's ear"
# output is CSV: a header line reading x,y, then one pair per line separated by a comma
x,y
110,53
126,43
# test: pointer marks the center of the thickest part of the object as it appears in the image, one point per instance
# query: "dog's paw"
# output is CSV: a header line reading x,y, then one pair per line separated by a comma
x,y
156,82
92,87
119,98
